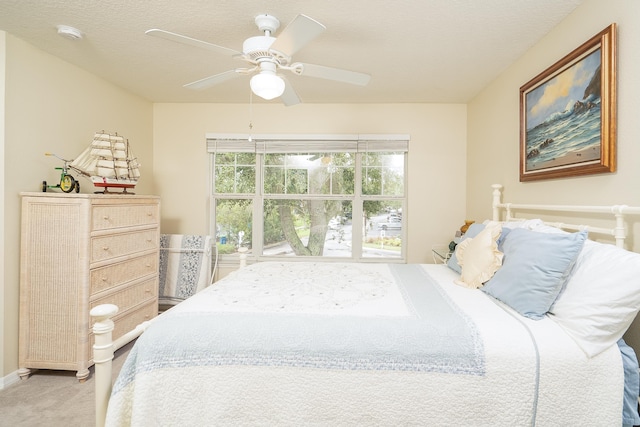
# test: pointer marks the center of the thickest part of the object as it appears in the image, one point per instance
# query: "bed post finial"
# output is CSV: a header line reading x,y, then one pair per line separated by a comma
x,y
102,356
243,256
497,200
619,232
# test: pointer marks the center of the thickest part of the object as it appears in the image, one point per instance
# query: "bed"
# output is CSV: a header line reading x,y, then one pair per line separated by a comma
x,y
311,343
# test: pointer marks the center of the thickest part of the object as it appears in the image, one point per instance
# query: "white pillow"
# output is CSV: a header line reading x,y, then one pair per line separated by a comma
x,y
529,224
549,229
479,257
601,297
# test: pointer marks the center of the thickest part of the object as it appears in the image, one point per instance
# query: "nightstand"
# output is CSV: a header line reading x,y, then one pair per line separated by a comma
x,y
441,254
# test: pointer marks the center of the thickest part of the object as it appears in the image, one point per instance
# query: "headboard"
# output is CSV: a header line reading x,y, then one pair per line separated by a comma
x,y
616,212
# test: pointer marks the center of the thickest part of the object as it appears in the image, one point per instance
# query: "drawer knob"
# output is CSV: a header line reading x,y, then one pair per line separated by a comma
x,y
105,248
104,279
106,217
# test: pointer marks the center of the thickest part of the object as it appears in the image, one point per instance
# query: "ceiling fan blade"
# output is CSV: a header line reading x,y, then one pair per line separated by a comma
x,y
212,80
297,34
337,74
289,97
179,38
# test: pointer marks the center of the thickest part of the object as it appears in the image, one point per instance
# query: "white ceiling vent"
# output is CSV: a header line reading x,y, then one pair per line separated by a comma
x,y
69,32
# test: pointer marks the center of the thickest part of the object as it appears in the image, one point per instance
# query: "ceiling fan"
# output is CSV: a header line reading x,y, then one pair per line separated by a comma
x,y
267,55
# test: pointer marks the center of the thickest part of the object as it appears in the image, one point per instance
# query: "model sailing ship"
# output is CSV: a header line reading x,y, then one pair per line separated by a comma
x,y
108,162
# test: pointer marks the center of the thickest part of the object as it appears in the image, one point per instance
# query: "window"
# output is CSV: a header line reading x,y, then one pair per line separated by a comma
x,y
331,196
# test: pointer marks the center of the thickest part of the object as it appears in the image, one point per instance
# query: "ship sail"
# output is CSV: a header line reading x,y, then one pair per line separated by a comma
x,y
108,162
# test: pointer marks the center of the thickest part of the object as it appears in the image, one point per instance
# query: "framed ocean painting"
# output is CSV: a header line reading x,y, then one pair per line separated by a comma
x,y
568,114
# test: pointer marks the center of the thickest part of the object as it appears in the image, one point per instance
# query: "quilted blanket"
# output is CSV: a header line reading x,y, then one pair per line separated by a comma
x,y
358,344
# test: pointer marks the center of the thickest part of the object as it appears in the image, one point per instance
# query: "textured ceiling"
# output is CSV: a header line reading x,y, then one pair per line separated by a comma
x,y
442,51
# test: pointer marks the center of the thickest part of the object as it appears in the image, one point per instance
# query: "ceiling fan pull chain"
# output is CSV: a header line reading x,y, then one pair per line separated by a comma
x,y
250,114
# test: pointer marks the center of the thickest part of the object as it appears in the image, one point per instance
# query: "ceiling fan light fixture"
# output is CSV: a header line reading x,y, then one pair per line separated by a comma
x,y
266,84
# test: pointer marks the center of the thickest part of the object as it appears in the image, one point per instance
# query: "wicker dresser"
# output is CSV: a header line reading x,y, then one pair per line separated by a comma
x,y
79,251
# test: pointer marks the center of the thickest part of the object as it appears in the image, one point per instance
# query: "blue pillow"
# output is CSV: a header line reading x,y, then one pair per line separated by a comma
x,y
534,269
473,231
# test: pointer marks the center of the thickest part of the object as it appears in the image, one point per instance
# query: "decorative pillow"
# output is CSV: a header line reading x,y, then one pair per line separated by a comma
x,y
473,231
601,298
536,266
479,257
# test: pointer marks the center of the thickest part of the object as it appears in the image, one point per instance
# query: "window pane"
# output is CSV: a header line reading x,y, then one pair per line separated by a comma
x,y
340,180
246,158
296,180
235,173
372,181
274,159
245,179
337,171
309,173
225,179
307,228
273,180
233,224
383,174
382,233
225,158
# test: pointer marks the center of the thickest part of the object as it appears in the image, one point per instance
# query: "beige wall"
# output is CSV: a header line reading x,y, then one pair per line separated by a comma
x,y
493,125
436,168
3,243
53,106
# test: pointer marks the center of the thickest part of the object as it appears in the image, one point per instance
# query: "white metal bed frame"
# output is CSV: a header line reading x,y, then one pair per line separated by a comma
x,y
618,232
102,314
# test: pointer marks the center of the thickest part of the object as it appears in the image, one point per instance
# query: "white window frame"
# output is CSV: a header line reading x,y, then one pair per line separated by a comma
x,y
302,143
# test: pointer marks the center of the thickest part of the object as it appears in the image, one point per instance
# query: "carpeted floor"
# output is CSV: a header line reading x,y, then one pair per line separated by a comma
x,y
53,398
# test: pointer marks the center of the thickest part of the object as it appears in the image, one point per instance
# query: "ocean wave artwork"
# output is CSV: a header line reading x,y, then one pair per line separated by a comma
x,y
564,117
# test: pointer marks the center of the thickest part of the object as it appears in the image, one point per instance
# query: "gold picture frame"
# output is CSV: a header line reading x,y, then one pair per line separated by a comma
x,y
568,114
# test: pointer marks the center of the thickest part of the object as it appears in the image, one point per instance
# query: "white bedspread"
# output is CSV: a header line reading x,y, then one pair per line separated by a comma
x,y
520,373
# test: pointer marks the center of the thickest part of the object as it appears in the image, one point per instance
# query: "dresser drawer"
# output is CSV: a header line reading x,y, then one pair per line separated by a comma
x,y
104,278
117,216
124,323
115,245
132,319
130,296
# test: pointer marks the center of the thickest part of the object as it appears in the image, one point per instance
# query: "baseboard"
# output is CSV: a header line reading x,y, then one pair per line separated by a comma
x,y
8,380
